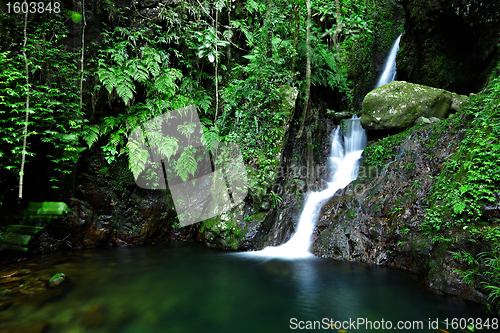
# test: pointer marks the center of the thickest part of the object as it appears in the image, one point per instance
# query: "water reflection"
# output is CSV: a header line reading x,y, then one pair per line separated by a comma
x,y
187,288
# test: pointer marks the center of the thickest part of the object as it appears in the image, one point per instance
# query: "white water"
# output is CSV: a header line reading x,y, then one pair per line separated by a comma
x,y
343,163
389,73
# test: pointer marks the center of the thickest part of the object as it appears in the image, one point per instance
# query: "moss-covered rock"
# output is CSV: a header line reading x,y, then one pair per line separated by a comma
x,y
397,105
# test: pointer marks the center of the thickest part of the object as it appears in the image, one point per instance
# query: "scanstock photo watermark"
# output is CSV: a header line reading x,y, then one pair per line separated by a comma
x,y
471,324
205,179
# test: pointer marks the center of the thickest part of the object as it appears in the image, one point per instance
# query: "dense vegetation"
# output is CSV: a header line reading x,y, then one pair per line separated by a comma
x,y
68,91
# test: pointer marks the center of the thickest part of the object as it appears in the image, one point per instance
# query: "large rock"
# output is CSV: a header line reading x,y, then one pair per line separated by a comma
x,y
399,104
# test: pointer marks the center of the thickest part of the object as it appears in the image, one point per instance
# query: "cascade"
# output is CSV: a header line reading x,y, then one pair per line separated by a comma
x,y
389,73
345,152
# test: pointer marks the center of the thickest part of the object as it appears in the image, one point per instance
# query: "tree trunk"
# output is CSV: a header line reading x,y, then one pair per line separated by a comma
x,y
308,69
23,155
295,40
338,27
216,66
83,55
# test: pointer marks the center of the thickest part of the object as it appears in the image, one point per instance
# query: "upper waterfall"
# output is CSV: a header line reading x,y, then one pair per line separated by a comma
x,y
389,73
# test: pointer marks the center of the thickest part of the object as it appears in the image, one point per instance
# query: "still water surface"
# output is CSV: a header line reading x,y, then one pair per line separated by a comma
x,y
184,287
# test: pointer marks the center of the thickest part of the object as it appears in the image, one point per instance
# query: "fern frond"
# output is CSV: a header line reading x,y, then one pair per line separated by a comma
x,y
329,59
138,157
169,146
130,68
108,124
125,89
108,79
141,74
90,134
186,164
153,67
187,129
165,85
210,139
115,139
165,146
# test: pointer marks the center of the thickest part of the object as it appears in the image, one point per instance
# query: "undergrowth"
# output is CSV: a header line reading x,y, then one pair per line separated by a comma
x,y
468,186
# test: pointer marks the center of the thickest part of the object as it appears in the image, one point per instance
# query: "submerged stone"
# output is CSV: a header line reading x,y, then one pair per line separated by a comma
x,y
57,279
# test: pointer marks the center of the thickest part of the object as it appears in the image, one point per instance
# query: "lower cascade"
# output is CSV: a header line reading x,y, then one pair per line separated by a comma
x,y
345,153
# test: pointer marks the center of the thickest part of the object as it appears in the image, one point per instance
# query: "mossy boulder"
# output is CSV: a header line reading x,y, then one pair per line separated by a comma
x,y
397,105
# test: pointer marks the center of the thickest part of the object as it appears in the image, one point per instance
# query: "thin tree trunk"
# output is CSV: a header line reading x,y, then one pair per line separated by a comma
x,y
295,40
83,55
229,45
23,158
338,26
308,69
216,66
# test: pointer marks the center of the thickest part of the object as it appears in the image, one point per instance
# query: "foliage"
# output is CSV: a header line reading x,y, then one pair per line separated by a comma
x,y
227,231
150,62
55,118
468,183
379,152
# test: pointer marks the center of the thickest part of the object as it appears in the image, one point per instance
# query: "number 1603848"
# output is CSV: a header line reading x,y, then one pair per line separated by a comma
x,y
33,7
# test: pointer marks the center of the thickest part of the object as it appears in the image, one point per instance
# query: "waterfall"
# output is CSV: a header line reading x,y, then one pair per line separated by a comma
x,y
389,73
345,152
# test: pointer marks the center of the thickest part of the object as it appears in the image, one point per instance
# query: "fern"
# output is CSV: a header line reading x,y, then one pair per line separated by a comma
x,y
138,157
119,55
187,129
130,68
186,164
153,67
329,59
210,139
125,89
108,124
115,139
90,134
169,146
165,85
152,60
248,34
252,6
165,146
141,74
108,78
205,102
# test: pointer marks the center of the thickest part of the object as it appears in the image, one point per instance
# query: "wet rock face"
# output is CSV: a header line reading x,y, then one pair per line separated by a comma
x,y
303,169
449,44
397,105
377,218
109,209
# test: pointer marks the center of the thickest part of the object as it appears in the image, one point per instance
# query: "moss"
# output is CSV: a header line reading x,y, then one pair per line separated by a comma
x,y
399,104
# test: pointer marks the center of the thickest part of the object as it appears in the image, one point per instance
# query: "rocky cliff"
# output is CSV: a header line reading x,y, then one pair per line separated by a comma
x,y
449,44
381,217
